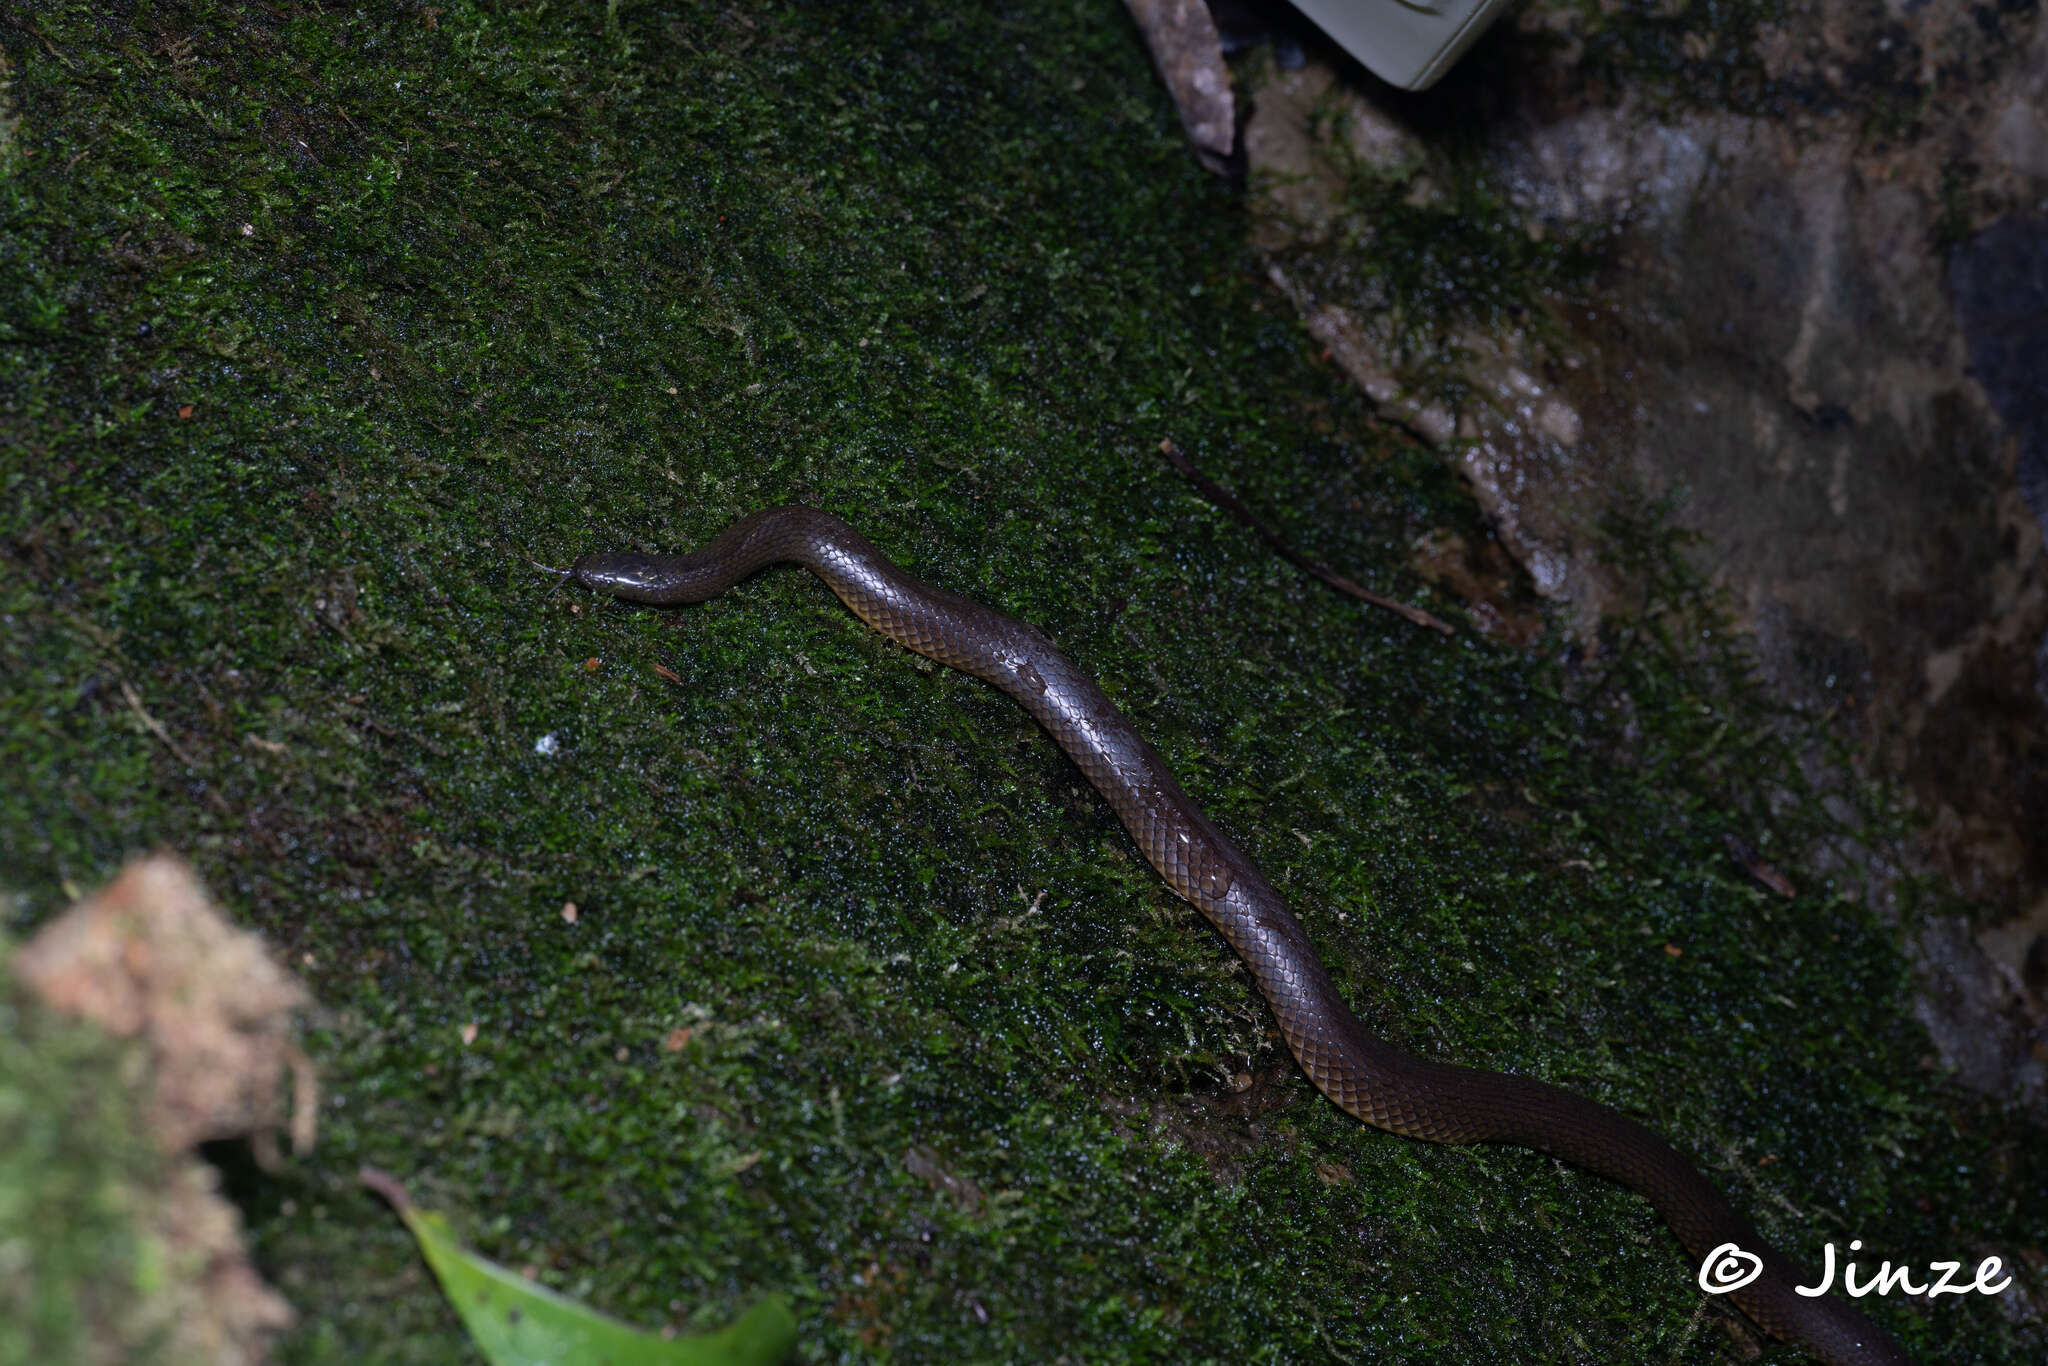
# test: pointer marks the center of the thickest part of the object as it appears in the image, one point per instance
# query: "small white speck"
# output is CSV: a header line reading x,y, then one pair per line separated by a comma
x,y
547,744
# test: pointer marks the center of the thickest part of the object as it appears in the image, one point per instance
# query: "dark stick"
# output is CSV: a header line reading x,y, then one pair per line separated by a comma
x,y
1225,499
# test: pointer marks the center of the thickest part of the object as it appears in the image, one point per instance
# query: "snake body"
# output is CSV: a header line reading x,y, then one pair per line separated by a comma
x,y
1382,1086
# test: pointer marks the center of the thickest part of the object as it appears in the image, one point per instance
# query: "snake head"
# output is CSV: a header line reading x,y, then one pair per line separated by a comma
x,y
635,578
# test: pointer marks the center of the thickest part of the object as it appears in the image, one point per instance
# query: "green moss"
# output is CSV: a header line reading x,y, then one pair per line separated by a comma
x,y
1748,57
527,280
80,1274
1696,52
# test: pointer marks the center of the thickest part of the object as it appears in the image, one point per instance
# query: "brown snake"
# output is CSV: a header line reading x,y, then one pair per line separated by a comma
x,y
1386,1088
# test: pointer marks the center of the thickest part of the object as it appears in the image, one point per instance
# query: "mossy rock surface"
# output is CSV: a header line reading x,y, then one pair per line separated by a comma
x,y
81,1191
316,323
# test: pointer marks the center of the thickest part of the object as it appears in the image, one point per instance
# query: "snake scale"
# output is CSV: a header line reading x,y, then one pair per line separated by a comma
x,y
1414,1097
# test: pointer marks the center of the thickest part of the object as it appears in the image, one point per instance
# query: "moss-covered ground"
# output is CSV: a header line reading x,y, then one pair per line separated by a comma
x,y
317,322
81,1273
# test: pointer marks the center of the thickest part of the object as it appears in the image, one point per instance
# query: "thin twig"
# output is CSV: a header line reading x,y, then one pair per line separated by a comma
x,y
386,1185
152,725
1757,868
1225,499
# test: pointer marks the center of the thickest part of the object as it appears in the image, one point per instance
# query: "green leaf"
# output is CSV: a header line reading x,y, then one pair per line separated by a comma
x,y
519,1323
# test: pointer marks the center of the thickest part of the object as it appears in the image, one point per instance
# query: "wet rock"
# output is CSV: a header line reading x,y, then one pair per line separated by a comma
x,y
1985,1026
1189,54
2000,283
1818,330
